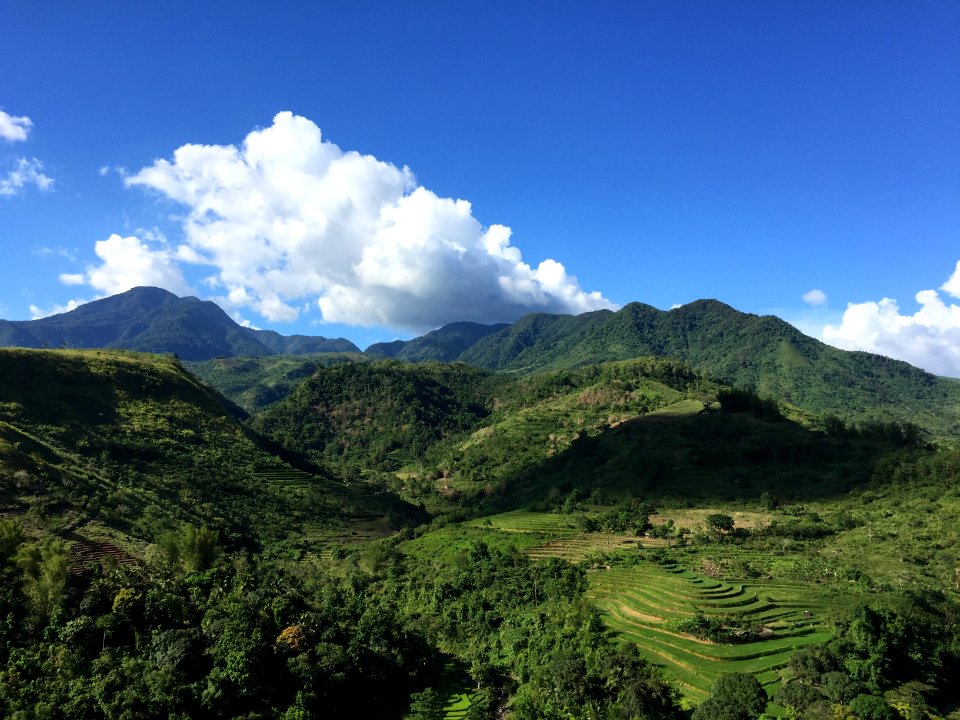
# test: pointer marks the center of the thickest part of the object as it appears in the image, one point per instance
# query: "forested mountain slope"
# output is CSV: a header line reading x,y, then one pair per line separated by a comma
x,y
457,438
760,353
253,383
380,416
445,344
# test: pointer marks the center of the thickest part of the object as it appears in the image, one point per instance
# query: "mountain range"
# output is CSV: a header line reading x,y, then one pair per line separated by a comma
x,y
761,353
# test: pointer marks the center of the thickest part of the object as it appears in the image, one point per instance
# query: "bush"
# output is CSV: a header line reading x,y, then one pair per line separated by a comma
x,y
871,707
735,400
797,696
734,696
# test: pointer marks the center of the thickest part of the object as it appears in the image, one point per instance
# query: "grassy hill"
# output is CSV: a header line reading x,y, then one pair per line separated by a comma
x,y
130,445
391,416
455,436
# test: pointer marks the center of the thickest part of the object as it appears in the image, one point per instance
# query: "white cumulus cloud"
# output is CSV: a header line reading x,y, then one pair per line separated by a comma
x,y
14,129
26,172
929,338
952,285
815,297
288,216
127,262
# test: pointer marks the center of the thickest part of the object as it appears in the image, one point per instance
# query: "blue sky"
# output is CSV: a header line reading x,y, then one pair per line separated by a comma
x,y
660,152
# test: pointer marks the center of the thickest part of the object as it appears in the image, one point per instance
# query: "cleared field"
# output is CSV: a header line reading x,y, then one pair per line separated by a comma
x,y
559,536
583,545
455,704
524,521
694,518
454,695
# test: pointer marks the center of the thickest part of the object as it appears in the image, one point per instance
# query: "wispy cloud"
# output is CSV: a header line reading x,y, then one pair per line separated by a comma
x,y
929,338
288,216
105,170
46,251
26,172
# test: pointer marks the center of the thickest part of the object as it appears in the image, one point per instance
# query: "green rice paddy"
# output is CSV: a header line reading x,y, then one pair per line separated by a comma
x,y
643,601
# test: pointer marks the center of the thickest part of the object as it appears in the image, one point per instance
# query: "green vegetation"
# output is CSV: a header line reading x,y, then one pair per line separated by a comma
x,y
253,383
760,353
623,540
123,447
361,418
443,345
466,433
734,696
699,628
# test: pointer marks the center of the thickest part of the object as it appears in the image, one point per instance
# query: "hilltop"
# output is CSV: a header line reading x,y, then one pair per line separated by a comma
x,y
445,434
149,319
445,344
254,383
763,354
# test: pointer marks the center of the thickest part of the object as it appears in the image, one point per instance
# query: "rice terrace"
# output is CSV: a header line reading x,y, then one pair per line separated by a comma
x,y
649,596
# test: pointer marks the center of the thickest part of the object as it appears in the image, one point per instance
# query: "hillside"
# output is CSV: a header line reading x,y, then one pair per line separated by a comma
x,y
760,353
381,416
443,345
153,320
130,446
301,344
628,470
661,532
254,383
454,436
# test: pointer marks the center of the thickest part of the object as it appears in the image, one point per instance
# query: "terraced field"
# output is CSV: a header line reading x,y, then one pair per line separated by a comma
x,y
329,509
583,545
457,705
524,521
454,696
644,602
560,537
